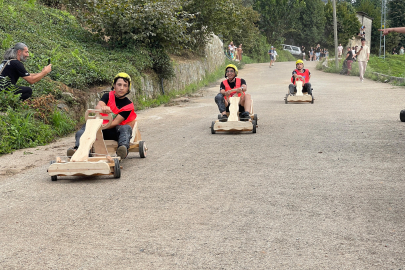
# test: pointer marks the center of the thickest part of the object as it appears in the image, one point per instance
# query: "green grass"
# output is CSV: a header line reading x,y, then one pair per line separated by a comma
x,y
392,65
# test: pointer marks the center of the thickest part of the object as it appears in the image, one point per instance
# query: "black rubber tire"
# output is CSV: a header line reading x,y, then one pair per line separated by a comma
x,y
402,116
54,177
142,149
312,101
212,127
254,123
285,99
219,116
117,168
255,118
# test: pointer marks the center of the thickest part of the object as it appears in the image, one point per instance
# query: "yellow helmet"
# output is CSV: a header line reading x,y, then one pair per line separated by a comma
x,y
299,61
122,75
234,68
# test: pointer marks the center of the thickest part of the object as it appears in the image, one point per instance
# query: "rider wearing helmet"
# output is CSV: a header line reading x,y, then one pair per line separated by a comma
x,y
302,74
230,87
117,103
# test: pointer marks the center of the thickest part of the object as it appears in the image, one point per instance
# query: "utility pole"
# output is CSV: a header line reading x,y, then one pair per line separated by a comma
x,y
335,33
383,25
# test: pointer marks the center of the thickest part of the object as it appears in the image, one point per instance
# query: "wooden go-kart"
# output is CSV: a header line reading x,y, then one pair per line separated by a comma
x,y
234,124
94,155
299,96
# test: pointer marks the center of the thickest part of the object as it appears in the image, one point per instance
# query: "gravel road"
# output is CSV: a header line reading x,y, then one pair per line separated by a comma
x,y
319,186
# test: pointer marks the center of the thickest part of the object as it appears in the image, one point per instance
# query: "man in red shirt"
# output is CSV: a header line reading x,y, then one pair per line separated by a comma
x,y
300,73
115,102
230,87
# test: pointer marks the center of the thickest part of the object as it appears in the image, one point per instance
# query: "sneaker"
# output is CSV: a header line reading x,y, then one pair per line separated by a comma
x,y
70,152
245,116
122,151
223,118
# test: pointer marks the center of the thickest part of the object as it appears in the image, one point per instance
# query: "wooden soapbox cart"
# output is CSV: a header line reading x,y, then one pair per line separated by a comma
x,y
95,155
234,124
299,96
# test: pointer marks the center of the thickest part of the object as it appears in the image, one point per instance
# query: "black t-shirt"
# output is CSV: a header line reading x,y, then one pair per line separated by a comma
x,y
232,84
119,103
349,55
318,50
14,70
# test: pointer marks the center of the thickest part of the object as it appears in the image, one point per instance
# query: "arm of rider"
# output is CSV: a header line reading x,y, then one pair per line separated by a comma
x,y
105,109
243,88
36,77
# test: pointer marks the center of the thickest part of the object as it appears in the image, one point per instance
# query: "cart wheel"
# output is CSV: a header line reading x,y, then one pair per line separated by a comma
x,y
402,116
219,116
212,127
117,168
54,177
142,149
312,101
254,123
285,99
255,118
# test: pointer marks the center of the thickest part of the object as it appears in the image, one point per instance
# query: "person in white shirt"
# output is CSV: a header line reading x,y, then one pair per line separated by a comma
x,y
363,55
340,50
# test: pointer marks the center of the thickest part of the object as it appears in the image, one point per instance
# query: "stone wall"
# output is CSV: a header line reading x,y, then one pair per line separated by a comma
x,y
186,72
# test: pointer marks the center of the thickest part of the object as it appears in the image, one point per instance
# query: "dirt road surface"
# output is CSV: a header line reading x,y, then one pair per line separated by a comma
x,y
319,186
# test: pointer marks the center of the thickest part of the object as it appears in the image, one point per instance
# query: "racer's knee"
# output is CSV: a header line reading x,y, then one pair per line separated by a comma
x,y
220,101
124,135
307,88
292,89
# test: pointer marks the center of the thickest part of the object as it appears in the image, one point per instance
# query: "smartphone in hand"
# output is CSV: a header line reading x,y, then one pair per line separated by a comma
x,y
49,61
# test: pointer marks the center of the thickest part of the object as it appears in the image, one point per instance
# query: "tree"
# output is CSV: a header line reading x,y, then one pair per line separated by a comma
x,y
278,17
347,23
311,24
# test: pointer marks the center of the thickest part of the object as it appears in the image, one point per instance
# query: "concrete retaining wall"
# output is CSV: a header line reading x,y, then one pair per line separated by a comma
x,y
186,73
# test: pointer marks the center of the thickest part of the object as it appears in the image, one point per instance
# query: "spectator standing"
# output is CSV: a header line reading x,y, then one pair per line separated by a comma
x,y
271,53
311,54
363,57
318,52
231,49
349,60
303,52
401,51
340,50
275,56
239,50
394,51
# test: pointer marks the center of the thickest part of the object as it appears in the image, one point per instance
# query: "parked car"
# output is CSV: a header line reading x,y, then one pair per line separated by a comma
x,y
294,50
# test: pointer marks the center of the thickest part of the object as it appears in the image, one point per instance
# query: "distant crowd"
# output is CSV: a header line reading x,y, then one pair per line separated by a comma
x,y
315,53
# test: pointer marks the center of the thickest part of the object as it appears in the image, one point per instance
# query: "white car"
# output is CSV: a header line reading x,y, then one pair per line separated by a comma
x,y
294,50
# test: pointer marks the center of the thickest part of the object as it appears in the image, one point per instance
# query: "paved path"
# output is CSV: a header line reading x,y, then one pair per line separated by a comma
x,y
317,187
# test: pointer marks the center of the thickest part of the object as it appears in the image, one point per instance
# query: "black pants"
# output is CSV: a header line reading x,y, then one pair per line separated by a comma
x,y
220,101
305,88
26,92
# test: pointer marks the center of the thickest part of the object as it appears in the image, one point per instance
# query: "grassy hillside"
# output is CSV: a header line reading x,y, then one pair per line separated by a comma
x,y
78,59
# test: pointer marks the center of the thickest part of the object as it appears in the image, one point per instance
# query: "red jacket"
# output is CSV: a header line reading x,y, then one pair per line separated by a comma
x,y
238,84
115,110
304,74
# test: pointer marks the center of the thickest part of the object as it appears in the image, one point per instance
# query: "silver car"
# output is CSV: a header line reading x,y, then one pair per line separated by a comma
x,y
294,50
